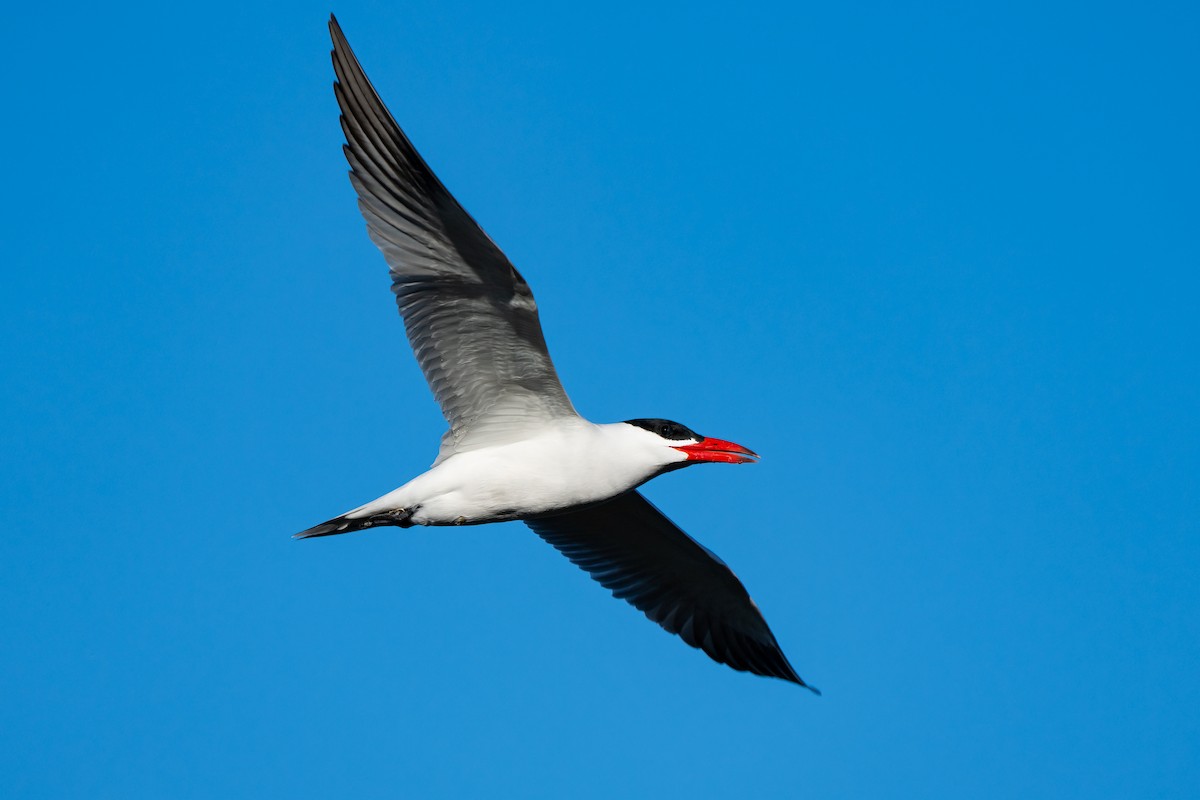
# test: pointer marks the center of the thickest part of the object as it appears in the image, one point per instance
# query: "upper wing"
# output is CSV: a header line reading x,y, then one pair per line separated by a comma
x,y
631,548
470,316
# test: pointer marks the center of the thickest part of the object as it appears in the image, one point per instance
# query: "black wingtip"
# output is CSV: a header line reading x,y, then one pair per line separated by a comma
x,y
796,679
791,677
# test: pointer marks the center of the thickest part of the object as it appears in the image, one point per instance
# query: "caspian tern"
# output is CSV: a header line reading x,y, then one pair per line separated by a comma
x,y
516,448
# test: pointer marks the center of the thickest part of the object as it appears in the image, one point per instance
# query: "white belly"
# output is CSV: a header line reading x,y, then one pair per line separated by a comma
x,y
560,469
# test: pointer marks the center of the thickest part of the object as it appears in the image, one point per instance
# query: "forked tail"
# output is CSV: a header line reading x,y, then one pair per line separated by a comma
x,y
401,518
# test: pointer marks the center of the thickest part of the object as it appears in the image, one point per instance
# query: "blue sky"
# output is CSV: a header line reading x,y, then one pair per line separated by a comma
x,y
937,264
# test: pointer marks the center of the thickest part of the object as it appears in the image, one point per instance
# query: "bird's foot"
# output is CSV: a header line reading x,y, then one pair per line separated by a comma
x,y
399,517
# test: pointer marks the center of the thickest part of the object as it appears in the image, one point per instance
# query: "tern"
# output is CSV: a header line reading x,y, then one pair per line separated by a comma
x,y
516,448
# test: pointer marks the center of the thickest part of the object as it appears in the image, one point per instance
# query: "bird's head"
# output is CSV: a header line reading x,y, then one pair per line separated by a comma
x,y
680,446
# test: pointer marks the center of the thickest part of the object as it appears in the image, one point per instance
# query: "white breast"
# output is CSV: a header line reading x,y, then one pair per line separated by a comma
x,y
571,463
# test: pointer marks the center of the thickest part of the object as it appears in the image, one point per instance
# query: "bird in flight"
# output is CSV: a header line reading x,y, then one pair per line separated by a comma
x,y
516,447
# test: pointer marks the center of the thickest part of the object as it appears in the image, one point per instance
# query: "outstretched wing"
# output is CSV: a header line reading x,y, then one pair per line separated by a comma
x,y
470,316
645,559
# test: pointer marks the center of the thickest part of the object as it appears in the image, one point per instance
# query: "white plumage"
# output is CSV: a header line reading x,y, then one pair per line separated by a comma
x,y
516,448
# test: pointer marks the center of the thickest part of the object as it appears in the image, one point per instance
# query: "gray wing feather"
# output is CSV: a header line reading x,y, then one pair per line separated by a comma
x,y
632,549
470,316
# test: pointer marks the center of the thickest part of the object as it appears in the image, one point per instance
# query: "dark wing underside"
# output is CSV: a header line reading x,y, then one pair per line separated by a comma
x,y
470,316
642,557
